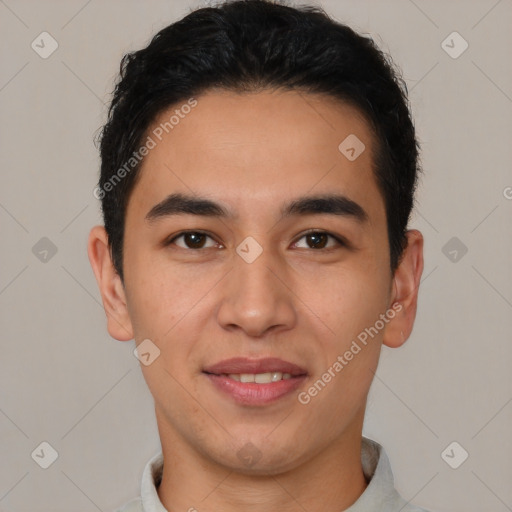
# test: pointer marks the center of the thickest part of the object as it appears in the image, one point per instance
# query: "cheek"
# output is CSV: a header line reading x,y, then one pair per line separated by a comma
x,y
169,308
349,300
154,301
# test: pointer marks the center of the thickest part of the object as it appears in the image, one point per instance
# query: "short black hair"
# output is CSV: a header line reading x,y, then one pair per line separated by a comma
x,y
250,46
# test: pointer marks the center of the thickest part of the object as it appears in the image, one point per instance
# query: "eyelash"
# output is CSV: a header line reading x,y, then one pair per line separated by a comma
x,y
340,241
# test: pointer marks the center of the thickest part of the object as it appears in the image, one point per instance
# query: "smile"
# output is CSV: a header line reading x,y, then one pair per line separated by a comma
x,y
259,378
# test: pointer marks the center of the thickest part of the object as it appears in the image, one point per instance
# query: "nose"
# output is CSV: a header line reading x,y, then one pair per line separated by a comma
x,y
258,297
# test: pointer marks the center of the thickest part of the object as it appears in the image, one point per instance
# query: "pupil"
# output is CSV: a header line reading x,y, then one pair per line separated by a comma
x,y
315,238
195,239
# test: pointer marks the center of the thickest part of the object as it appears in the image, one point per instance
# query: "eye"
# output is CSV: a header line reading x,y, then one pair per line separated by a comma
x,y
319,240
191,240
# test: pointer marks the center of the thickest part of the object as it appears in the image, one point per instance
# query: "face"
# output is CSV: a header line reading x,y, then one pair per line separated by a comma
x,y
256,272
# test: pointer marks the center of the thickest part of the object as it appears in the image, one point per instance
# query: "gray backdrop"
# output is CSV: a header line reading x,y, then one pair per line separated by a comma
x,y
65,382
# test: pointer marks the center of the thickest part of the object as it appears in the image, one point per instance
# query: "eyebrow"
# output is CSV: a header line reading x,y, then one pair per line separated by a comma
x,y
331,204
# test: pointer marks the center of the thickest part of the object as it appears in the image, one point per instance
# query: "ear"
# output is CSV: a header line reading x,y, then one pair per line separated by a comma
x,y
404,299
111,287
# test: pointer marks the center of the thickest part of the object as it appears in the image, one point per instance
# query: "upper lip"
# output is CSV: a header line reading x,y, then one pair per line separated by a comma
x,y
239,365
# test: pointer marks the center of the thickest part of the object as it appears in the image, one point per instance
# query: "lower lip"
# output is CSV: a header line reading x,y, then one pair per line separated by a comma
x,y
250,393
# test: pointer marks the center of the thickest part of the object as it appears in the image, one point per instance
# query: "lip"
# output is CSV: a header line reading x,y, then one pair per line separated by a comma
x,y
246,365
250,393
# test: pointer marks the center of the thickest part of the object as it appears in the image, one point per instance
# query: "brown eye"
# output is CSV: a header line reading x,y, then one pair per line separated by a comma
x,y
191,240
319,240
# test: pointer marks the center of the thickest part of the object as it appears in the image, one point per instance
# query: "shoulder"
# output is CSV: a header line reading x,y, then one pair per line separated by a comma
x,y
380,493
134,505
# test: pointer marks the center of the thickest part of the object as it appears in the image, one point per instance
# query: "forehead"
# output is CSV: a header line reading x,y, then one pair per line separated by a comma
x,y
254,151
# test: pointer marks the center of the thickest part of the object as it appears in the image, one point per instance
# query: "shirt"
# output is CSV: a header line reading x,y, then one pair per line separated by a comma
x,y
379,496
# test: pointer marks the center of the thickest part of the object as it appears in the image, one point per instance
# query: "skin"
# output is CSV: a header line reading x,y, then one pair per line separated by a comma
x,y
303,304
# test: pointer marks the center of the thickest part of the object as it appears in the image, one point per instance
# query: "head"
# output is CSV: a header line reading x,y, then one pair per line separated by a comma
x,y
264,122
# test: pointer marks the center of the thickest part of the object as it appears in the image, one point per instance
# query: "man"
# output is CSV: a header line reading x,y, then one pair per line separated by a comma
x,y
258,170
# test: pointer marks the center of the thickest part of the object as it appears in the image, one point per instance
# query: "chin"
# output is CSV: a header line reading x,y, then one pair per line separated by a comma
x,y
259,457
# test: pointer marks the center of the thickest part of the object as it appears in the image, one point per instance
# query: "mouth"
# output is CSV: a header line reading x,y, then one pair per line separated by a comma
x,y
255,382
240,366
258,378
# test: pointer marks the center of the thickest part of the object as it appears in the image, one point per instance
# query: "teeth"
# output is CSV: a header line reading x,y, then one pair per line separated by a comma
x,y
259,378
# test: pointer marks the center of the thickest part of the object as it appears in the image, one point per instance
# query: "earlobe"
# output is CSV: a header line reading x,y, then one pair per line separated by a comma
x,y
406,285
111,288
